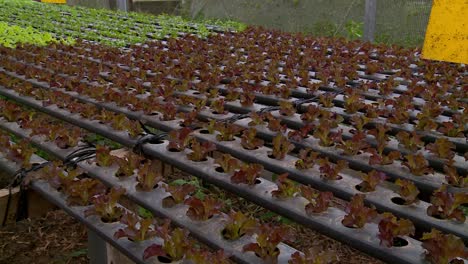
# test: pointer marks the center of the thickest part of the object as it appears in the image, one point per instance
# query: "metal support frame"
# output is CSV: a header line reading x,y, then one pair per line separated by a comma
x,y
370,20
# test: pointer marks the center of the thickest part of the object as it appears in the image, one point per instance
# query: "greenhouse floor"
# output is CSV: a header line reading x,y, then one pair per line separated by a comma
x,y
54,239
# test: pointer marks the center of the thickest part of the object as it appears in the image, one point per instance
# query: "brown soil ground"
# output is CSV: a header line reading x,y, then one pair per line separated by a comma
x,y
54,239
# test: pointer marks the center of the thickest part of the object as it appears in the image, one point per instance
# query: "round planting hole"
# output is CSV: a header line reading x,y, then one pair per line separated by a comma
x,y
164,259
219,169
398,200
196,93
436,216
204,131
250,149
154,113
399,242
173,150
351,227
276,251
358,187
224,232
108,221
205,159
158,142
258,181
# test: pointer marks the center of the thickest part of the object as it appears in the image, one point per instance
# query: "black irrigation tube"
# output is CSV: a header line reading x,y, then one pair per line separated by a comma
x,y
208,232
106,231
417,214
364,239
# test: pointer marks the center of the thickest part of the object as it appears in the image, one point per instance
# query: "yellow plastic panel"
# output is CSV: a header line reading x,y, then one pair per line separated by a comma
x,y
447,32
54,1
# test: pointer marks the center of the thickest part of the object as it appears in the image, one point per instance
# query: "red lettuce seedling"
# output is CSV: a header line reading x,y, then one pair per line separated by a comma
x,y
298,135
443,248
228,163
137,229
189,119
330,171
453,178
411,141
354,145
430,109
359,121
333,119
200,150
218,106
326,99
9,110
249,140
358,214
256,119
121,122
446,205
21,153
390,228
381,137
281,147
148,176
227,131
233,95
175,246
311,113
407,191
274,124
382,159
247,174
313,256
268,238
179,139
127,164
371,180
178,194
287,108
237,225
247,99
103,156
307,158
450,129
417,164
202,210
105,206
67,137
169,111
426,124
81,191
318,201
353,101
323,133
442,148
286,187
